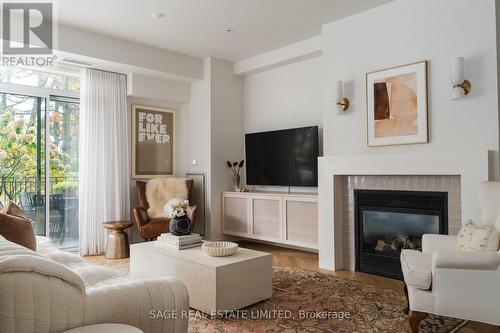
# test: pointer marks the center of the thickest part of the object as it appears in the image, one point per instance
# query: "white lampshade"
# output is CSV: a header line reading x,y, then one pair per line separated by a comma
x,y
339,90
457,70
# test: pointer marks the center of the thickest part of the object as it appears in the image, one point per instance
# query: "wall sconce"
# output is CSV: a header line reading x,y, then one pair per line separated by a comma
x,y
461,87
341,103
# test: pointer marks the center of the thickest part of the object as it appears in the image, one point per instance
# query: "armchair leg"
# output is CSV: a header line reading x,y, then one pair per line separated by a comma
x,y
407,309
415,318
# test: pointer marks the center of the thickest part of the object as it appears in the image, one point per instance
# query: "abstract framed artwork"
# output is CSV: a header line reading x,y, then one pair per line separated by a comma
x,y
396,105
153,142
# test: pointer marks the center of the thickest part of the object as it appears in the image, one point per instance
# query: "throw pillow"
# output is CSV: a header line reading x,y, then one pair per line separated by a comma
x,y
15,227
477,238
13,209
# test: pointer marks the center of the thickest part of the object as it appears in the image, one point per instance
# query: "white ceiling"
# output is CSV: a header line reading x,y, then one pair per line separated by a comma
x,y
196,27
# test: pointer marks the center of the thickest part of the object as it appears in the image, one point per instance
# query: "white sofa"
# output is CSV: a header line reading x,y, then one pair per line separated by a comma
x,y
442,281
52,291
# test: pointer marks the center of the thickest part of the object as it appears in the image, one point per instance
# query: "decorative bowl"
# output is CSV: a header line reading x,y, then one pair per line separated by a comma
x,y
220,249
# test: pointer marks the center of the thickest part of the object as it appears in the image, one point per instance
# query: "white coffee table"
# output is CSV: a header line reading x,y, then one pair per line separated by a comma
x,y
213,283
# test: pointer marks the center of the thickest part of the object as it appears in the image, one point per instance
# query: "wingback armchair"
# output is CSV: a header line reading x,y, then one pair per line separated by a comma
x,y
442,281
150,228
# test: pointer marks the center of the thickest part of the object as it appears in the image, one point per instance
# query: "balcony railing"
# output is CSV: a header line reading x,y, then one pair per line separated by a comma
x,y
29,194
12,188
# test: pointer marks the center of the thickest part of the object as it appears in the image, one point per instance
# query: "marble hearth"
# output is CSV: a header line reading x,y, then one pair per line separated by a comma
x,y
456,173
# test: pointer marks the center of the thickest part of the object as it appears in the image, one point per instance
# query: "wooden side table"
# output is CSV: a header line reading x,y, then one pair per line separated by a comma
x,y
117,247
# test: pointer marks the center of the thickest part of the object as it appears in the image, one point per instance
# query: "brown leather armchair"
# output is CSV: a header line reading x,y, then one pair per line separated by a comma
x,y
152,228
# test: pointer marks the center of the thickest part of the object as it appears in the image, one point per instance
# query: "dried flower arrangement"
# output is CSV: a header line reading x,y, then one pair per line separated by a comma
x,y
235,167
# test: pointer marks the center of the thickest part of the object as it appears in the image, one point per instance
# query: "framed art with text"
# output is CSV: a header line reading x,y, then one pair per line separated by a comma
x,y
153,142
396,105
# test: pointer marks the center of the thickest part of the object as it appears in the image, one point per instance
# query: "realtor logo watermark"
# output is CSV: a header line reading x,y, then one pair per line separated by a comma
x,y
27,33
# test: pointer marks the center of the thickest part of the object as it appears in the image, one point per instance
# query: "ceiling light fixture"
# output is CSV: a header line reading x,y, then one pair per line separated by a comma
x,y
229,29
157,15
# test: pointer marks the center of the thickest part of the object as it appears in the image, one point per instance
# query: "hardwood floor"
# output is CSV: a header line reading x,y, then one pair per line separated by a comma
x,y
307,260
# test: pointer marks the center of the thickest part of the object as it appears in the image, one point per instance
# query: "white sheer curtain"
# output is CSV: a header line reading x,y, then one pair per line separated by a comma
x,y
104,157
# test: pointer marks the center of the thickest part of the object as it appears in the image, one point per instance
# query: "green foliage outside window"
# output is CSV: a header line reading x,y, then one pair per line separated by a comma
x,y
22,135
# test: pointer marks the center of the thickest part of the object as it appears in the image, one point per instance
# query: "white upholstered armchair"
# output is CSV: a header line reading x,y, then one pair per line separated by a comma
x,y
442,281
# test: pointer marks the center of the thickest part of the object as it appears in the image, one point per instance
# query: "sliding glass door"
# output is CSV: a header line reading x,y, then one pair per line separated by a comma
x,y
22,156
39,162
63,165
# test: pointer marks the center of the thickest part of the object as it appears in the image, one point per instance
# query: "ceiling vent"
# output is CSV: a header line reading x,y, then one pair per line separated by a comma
x,y
75,62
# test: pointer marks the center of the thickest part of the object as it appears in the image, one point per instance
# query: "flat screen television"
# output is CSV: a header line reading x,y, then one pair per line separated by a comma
x,y
283,158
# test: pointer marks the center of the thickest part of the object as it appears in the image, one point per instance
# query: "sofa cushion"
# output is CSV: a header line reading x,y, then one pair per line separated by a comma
x,y
417,268
8,248
91,275
477,238
18,230
14,210
40,265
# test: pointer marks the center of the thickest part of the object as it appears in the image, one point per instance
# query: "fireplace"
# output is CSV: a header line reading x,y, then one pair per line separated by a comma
x,y
386,222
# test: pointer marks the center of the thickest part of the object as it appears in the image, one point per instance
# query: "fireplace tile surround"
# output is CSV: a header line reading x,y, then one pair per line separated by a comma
x,y
457,171
445,183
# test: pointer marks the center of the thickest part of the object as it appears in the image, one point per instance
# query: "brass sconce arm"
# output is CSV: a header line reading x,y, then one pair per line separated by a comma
x,y
466,86
344,104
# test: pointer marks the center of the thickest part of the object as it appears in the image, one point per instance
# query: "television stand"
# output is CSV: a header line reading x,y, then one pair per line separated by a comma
x,y
278,217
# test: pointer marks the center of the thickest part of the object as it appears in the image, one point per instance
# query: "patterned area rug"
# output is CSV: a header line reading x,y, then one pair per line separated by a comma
x,y
306,301
303,296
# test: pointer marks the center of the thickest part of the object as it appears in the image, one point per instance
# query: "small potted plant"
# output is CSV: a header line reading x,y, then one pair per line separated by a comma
x,y
235,168
178,211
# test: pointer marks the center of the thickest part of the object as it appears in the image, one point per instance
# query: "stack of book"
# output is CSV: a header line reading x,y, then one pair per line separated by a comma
x,y
180,242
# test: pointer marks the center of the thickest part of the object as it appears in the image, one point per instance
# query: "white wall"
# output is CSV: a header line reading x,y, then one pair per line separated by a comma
x,y
108,51
289,54
158,92
120,55
285,97
149,87
406,31
227,140
197,124
212,132
195,135
134,233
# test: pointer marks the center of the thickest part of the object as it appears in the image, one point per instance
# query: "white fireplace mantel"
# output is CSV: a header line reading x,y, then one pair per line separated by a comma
x,y
472,167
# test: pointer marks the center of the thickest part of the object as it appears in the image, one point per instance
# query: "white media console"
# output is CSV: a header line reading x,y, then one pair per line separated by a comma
x,y
283,218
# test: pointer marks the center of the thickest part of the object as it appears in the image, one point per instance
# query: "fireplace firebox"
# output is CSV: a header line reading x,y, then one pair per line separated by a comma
x,y
386,222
